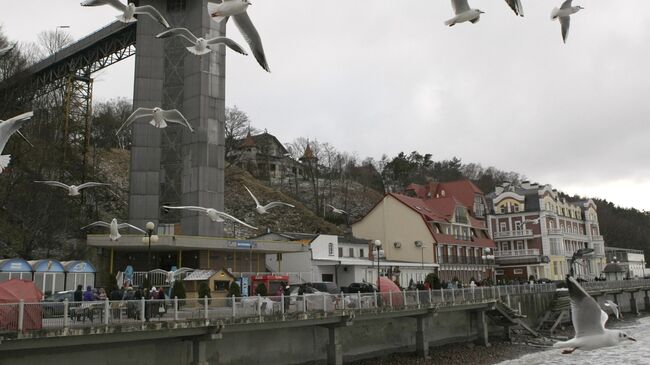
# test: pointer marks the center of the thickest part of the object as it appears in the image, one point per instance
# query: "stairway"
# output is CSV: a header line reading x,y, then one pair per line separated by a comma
x,y
558,313
503,315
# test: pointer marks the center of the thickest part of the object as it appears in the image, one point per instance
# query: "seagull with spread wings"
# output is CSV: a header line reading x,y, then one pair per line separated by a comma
x,y
563,14
5,50
336,210
463,13
7,129
160,118
129,10
201,46
263,209
114,228
515,5
589,323
213,214
73,190
237,9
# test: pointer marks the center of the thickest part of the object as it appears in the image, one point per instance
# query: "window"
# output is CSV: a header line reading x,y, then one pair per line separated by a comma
x,y
517,226
502,226
328,277
516,207
499,272
331,249
520,245
362,253
503,209
340,251
351,252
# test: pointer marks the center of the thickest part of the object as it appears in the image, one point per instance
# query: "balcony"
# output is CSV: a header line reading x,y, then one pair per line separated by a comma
x,y
555,231
516,253
597,237
512,234
462,260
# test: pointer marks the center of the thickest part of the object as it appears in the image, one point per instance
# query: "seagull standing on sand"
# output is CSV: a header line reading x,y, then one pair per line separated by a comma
x,y
564,15
264,209
7,128
4,51
202,46
237,9
114,228
589,323
463,13
160,118
615,309
213,214
336,210
128,11
73,190
515,5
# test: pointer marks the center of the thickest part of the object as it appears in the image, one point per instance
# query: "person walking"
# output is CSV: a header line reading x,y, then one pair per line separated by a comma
x,y
79,294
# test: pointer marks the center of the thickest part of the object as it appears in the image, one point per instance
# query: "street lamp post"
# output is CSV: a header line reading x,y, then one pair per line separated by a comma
x,y
150,237
420,244
377,244
487,256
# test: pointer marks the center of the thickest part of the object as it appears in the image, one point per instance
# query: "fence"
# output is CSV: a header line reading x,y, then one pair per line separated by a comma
x,y
24,317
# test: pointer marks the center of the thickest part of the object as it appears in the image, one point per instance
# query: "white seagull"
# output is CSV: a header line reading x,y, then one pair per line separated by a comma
x,y
237,9
213,214
589,323
4,51
73,190
202,46
264,209
463,13
160,118
564,15
515,5
7,128
114,228
336,210
128,11
614,307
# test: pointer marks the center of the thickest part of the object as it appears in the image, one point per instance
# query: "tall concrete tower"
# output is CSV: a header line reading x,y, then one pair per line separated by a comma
x,y
173,166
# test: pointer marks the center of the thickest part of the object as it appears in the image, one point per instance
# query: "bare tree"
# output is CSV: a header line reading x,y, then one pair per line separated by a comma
x,y
237,126
51,41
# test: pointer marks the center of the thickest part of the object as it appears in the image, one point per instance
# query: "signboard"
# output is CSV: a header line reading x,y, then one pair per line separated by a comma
x,y
243,285
245,244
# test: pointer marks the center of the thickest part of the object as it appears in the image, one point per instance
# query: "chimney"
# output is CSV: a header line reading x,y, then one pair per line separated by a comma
x,y
525,184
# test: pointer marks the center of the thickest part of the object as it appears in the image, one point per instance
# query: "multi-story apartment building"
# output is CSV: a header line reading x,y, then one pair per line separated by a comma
x,y
444,222
537,232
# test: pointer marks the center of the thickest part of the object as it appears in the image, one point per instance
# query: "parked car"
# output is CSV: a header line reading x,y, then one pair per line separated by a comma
x,y
325,287
53,303
360,288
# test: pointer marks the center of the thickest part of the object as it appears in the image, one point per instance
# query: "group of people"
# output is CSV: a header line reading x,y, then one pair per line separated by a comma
x,y
154,308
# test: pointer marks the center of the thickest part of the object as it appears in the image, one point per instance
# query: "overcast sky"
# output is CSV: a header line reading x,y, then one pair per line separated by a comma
x,y
384,76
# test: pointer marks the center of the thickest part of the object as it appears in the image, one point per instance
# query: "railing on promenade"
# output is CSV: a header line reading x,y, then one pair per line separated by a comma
x,y
26,317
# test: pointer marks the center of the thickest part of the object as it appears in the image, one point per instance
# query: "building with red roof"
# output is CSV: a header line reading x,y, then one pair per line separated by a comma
x,y
448,221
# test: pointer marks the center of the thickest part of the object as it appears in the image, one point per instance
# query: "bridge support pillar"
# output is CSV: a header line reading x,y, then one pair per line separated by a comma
x,y
334,348
482,328
199,356
421,343
633,306
646,302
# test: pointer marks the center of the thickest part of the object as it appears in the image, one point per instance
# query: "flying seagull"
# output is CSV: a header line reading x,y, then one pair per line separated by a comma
x,y
589,323
463,13
336,210
615,309
564,15
264,209
114,228
237,9
160,118
128,11
213,214
73,190
515,5
4,51
7,128
202,46
20,133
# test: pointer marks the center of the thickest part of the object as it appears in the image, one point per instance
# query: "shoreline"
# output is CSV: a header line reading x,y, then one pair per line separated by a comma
x,y
459,353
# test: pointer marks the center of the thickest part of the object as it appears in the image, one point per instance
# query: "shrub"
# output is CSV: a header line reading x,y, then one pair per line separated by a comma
x,y
204,291
178,290
234,290
261,290
434,281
